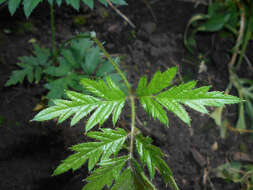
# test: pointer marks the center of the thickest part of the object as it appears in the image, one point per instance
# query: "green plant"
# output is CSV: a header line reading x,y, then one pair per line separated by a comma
x,y
61,67
30,5
233,17
237,172
109,166
80,60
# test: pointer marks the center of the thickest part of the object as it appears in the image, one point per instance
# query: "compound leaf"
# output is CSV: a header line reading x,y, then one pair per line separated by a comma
x,y
153,99
151,156
32,66
111,100
108,171
110,142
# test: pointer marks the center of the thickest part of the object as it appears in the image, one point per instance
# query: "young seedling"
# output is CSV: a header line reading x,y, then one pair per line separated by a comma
x,y
108,165
81,59
63,67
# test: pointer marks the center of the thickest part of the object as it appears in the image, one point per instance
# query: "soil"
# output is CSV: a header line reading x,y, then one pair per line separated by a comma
x,y
30,151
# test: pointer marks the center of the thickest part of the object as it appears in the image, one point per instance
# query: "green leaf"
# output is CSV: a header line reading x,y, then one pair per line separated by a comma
x,y
92,60
145,92
61,70
105,69
41,55
16,77
19,75
89,3
37,74
215,23
59,2
153,97
194,98
128,180
74,3
114,100
70,58
213,8
110,142
100,89
104,2
13,5
111,100
151,156
31,67
29,5
188,42
154,109
157,83
119,2
108,171
2,1
249,110
241,124
58,86
85,104
51,2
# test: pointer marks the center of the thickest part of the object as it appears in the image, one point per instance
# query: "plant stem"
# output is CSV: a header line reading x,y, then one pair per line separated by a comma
x,y
132,135
107,55
53,31
131,97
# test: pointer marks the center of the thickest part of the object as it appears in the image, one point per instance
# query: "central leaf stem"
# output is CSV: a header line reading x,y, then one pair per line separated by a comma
x,y
131,95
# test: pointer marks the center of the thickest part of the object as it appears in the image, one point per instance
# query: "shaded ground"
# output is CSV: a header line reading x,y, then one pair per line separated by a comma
x,y
30,151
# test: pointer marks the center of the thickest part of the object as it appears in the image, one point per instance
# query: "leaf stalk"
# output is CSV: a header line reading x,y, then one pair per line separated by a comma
x,y
107,55
132,135
55,53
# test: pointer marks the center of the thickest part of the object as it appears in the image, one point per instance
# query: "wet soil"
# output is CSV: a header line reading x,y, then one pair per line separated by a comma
x,y
30,151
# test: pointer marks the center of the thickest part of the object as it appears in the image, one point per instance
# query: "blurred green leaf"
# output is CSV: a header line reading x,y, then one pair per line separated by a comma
x,y
215,23
29,5
13,5
89,3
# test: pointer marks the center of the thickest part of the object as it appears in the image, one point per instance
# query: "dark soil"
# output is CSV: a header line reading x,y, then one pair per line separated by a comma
x,y
30,151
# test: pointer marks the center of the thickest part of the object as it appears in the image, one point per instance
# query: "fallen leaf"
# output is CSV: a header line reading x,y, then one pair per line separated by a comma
x,y
214,146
